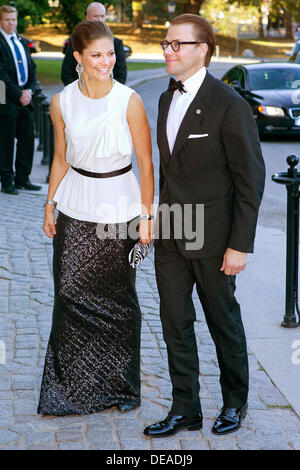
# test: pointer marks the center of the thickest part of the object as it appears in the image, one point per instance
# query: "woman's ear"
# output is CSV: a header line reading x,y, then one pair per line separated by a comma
x,y
77,56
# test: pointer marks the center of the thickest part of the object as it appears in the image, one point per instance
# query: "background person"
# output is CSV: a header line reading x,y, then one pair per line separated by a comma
x,y
209,154
17,71
95,12
93,356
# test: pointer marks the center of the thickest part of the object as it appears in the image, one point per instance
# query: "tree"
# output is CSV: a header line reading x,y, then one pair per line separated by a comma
x,y
73,12
193,6
253,3
291,12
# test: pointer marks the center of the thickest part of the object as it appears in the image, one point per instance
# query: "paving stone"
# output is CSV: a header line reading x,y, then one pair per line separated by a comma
x,y
195,444
223,443
72,446
22,382
69,436
42,447
7,436
25,407
113,445
133,444
40,438
167,443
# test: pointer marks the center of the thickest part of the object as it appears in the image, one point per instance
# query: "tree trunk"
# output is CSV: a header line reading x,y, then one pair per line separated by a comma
x,y
288,25
260,26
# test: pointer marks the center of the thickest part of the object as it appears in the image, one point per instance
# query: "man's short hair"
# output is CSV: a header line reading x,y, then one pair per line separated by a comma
x,y
203,31
7,9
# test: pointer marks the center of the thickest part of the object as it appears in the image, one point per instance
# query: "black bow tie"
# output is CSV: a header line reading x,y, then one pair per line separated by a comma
x,y
174,85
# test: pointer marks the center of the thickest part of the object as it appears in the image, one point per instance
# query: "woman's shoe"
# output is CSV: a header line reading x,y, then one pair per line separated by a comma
x,y
123,407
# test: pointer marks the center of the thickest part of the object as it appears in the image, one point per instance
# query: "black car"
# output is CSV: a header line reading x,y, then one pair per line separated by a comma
x,y
273,92
127,49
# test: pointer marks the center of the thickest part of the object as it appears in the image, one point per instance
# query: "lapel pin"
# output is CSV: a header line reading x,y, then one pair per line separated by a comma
x,y
198,111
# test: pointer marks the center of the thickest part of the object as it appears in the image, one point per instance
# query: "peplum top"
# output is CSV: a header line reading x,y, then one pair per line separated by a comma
x,y
98,140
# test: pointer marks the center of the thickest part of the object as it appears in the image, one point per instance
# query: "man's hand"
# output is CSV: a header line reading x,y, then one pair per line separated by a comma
x,y
233,262
25,98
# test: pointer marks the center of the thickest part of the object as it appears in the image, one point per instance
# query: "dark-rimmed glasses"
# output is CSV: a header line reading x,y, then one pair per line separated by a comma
x,y
175,45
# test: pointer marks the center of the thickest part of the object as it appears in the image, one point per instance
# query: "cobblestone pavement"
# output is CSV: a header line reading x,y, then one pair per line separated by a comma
x,y
25,318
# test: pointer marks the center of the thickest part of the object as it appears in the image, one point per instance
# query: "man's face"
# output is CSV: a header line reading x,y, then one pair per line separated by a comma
x,y
96,13
9,22
190,57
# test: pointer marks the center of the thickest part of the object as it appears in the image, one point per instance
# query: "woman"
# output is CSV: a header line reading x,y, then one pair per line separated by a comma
x,y
93,359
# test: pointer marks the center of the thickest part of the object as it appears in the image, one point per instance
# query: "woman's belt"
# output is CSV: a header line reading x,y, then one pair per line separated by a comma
x,y
108,174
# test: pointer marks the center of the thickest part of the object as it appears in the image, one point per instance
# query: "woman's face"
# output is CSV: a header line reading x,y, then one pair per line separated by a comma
x,y
98,59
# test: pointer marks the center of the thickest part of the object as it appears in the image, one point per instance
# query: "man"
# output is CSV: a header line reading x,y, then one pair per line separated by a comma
x,y
17,71
95,12
209,156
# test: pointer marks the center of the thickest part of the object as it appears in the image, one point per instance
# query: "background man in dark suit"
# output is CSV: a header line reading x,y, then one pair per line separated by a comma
x,y
17,71
95,12
210,156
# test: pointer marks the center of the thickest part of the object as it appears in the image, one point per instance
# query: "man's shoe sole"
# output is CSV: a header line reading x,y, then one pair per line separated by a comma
x,y
29,189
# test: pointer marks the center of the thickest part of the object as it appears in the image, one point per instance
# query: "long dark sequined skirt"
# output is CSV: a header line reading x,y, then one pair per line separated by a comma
x,y
93,355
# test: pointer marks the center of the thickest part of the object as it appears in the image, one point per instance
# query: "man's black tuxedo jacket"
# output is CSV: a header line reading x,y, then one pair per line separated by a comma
x,y
8,74
224,170
68,70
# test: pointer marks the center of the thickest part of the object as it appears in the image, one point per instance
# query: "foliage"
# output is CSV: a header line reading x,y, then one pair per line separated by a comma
x,y
71,13
288,6
225,16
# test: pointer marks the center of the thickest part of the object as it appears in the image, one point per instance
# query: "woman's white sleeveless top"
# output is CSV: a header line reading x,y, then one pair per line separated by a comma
x,y
98,140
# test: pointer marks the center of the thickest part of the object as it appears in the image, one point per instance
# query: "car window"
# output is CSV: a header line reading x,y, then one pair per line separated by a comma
x,y
236,73
274,79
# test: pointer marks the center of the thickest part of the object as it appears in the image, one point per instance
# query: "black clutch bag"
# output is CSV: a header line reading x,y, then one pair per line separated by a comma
x,y
138,253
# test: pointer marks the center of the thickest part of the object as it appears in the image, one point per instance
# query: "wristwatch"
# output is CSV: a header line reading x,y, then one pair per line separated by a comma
x,y
50,202
146,216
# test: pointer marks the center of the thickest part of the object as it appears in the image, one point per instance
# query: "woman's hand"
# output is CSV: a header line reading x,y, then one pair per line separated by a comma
x,y
49,221
146,230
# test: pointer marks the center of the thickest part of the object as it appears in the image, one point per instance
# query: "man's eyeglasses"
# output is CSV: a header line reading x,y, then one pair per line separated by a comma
x,y
176,44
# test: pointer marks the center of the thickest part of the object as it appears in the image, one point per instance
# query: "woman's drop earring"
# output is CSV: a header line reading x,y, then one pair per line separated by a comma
x,y
79,70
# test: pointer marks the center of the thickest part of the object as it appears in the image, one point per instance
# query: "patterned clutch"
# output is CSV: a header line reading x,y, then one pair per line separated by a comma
x,y
138,253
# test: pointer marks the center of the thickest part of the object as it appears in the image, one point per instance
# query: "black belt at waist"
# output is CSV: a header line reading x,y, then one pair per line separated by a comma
x,y
109,174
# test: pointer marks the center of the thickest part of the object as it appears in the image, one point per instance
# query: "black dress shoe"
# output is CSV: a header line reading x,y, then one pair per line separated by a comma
x,y
129,405
10,189
29,186
173,423
229,420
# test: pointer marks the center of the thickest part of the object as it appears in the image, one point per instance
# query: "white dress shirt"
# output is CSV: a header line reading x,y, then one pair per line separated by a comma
x,y
23,54
180,103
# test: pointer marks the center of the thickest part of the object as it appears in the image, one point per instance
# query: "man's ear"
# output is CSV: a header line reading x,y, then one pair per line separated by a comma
x,y
204,48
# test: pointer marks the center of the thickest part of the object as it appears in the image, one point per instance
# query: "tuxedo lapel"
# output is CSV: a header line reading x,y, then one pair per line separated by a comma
x,y
195,111
162,138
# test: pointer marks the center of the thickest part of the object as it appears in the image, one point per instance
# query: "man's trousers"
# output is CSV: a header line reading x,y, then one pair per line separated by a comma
x,y
20,126
176,277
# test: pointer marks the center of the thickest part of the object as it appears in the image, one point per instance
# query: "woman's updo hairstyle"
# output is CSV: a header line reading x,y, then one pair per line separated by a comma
x,y
88,31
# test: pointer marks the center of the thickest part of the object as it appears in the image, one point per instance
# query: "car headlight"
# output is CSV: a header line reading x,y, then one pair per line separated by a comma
x,y
275,111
